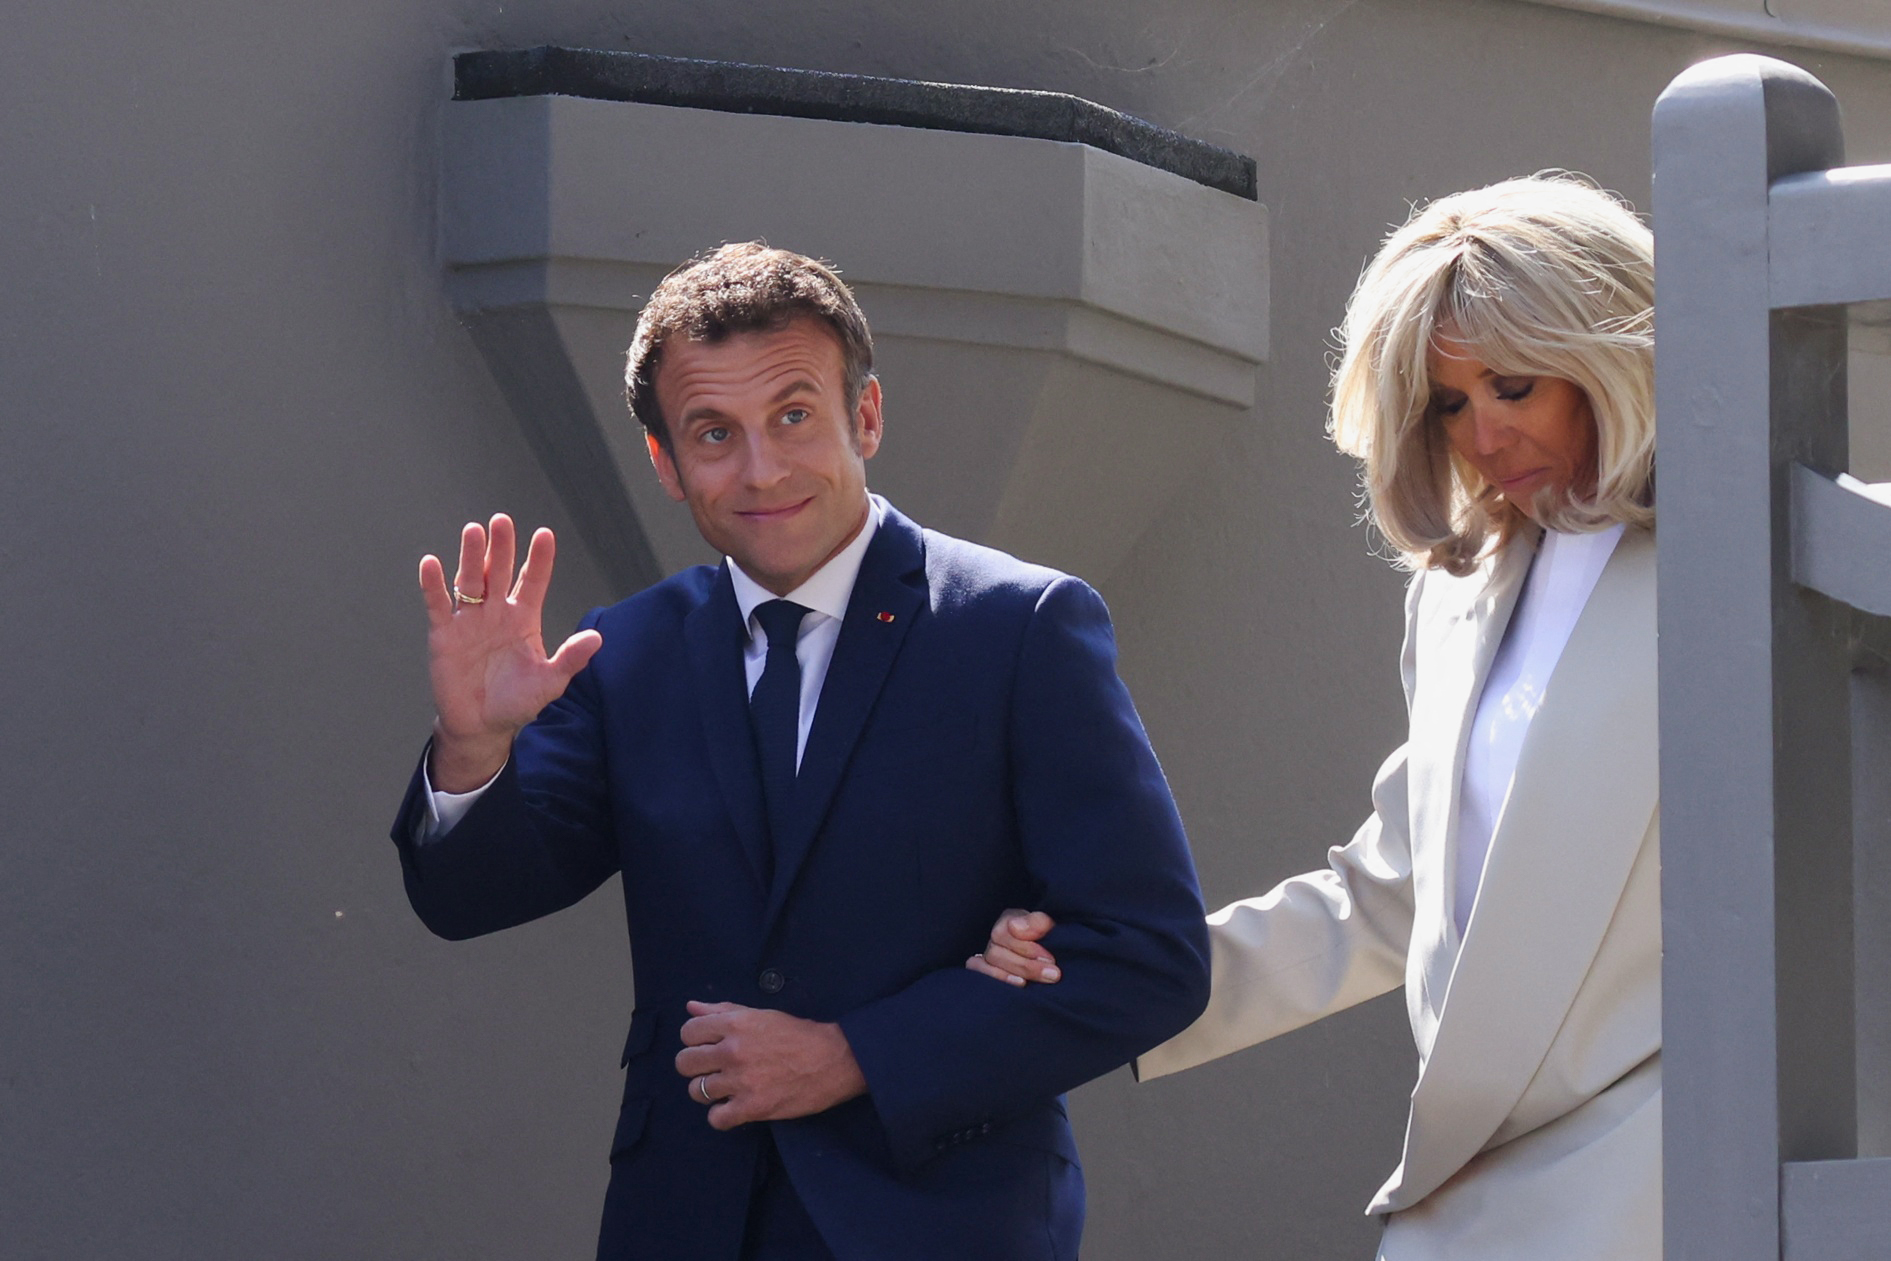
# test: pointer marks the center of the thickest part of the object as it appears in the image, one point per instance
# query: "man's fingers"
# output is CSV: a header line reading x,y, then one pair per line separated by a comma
x,y
707,1023
471,578
433,590
575,653
727,1114
702,1031
708,1009
701,1060
535,577
501,547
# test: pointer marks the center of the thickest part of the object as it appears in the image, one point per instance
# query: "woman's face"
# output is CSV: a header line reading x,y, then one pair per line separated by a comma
x,y
1525,435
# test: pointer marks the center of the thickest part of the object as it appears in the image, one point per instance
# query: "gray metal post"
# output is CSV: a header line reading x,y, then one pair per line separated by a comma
x,y
1871,884
1755,741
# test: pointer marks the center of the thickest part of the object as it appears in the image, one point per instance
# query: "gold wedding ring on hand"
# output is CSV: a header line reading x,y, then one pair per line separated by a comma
x,y
460,597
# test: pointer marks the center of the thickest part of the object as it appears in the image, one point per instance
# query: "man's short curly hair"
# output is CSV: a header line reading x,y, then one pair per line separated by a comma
x,y
745,288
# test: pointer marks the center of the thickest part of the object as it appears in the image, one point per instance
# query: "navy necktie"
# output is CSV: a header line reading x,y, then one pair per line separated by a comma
x,y
775,709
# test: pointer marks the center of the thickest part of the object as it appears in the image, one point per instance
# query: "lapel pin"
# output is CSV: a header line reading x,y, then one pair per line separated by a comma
x,y
884,617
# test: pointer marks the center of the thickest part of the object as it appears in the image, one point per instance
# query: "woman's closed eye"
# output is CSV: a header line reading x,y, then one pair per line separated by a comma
x,y
1513,389
1448,405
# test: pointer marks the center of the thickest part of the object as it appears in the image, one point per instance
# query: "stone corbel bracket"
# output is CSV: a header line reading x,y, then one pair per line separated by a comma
x,y
1063,332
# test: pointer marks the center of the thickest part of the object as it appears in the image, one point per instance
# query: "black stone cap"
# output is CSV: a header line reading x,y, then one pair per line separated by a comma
x,y
851,98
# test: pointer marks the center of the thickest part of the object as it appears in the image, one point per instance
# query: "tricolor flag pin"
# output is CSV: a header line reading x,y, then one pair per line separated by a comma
x,y
884,617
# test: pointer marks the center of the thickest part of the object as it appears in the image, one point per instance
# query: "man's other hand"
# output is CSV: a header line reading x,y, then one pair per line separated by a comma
x,y
486,653
750,1064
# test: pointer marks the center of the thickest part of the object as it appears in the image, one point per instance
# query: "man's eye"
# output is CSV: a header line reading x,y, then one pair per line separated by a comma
x,y
794,416
715,435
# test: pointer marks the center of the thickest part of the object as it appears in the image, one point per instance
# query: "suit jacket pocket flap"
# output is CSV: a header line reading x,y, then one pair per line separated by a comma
x,y
643,1031
630,1121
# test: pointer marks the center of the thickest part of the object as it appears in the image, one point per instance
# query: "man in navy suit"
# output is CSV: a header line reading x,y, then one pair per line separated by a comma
x,y
822,768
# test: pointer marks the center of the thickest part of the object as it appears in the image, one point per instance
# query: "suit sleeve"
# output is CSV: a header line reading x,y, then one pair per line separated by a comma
x,y
518,854
956,1052
1316,943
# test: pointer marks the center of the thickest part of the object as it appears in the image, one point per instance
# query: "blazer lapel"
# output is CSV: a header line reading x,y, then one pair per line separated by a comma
x,y
1571,829
715,635
888,594
1461,652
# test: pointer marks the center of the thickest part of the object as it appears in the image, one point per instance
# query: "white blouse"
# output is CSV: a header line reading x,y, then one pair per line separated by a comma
x,y
1561,577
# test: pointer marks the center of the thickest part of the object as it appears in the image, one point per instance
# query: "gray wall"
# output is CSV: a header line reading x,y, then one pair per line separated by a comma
x,y
234,408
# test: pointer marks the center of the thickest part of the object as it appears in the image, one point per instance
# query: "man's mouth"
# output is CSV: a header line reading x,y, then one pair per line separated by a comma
x,y
781,513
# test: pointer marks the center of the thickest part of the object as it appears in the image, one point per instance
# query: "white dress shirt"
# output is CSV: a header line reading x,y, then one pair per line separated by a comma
x,y
1562,576
825,594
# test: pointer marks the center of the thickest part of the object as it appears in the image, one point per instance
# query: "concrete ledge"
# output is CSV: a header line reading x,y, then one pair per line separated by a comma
x,y
848,98
1061,331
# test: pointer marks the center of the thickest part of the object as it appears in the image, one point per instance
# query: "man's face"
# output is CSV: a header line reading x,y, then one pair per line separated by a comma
x,y
764,449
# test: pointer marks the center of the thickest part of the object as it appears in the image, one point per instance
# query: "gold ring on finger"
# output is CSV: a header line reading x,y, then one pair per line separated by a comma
x,y
460,597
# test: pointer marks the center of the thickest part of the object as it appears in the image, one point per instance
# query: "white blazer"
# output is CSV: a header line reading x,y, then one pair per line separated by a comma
x,y
1535,1126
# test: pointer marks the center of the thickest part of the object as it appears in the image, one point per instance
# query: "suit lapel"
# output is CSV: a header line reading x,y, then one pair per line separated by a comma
x,y
715,635
1583,796
1461,651
888,594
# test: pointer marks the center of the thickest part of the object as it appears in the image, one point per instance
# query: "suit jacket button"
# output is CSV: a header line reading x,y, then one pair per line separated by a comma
x,y
771,981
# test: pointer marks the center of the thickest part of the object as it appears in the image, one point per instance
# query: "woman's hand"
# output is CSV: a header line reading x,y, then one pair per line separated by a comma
x,y
1013,955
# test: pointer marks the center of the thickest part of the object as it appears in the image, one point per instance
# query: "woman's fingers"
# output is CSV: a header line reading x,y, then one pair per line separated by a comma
x,y
1024,967
1019,931
1029,925
977,964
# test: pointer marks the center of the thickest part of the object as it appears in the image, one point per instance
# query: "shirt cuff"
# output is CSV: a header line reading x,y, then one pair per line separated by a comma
x,y
445,809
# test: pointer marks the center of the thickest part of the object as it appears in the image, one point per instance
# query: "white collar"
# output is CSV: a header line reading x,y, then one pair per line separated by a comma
x,y
827,589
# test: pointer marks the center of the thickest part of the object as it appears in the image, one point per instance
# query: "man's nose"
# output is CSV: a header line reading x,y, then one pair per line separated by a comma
x,y
765,465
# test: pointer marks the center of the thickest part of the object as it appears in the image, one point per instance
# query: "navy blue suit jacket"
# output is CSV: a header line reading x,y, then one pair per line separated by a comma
x,y
973,749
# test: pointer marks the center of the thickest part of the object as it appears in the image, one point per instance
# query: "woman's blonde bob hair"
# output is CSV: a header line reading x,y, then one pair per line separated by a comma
x,y
1546,276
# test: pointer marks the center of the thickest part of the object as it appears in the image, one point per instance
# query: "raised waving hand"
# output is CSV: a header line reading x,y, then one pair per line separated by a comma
x,y
486,651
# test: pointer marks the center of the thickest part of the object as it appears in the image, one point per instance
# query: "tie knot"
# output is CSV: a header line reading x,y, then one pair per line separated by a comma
x,y
781,622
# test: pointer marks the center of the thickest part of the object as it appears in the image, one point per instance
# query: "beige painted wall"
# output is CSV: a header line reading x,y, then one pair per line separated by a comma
x,y
234,407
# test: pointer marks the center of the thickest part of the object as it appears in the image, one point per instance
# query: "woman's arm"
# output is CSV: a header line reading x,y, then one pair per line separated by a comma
x,y
1313,945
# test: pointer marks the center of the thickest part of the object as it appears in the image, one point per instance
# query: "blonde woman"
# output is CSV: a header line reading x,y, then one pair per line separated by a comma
x,y
1496,387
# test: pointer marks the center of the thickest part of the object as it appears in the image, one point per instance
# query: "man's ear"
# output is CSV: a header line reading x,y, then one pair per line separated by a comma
x,y
665,465
869,425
